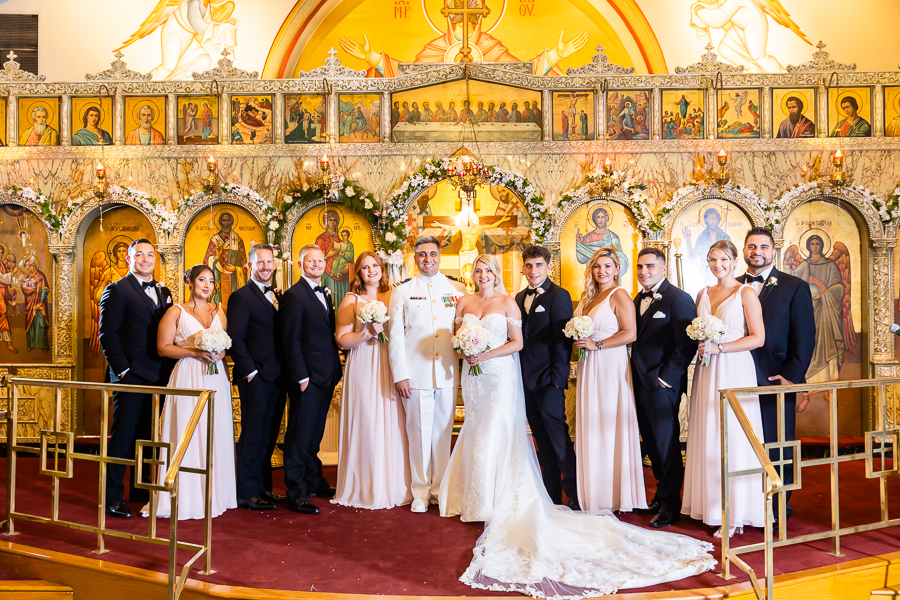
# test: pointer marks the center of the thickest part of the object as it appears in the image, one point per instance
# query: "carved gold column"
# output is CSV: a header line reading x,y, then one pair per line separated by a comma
x,y
65,116
278,117
881,341
386,132
556,257
64,334
172,269
172,121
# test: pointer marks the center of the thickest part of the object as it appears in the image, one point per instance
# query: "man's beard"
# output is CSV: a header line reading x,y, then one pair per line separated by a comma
x,y
40,128
146,125
794,117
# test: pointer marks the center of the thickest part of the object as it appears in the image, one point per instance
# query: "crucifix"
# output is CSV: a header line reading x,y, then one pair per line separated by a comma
x,y
470,15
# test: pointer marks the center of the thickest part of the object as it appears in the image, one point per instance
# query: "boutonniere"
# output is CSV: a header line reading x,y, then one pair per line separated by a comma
x,y
656,297
159,288
539,291
771,281
328,291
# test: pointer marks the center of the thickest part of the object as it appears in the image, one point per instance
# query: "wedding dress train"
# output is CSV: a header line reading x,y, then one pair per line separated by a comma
x,y
529,544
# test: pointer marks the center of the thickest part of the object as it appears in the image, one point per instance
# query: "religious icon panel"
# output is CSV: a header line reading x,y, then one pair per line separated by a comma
x,y
103,259
628,114
145,120
737,114
573,115
92,121
38,122
2,120
496,223
342,235
305,118
220,237
198,120
26,288
251,119
682,114
698,227
822,246
850,112
359,118
794,112
447,111
598,224
892,111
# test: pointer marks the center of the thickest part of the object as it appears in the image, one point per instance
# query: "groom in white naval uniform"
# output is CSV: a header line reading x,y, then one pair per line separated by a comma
x,y
426,367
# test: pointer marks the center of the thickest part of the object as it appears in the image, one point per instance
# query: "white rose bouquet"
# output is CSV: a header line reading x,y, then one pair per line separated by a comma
x,y
373,311
706,329
579,328
471,340
212,340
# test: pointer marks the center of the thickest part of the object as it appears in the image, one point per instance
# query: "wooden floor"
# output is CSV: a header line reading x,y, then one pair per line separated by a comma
x,y
100,580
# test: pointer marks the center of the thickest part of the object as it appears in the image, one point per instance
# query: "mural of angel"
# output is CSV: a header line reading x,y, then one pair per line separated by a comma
x,y
106,267
829,282
194,34
745,24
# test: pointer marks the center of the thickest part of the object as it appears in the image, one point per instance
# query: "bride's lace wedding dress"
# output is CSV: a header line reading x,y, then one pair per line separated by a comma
x,y
529,544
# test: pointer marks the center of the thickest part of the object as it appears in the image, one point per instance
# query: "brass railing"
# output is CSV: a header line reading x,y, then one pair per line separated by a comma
x,y
58,437
878,444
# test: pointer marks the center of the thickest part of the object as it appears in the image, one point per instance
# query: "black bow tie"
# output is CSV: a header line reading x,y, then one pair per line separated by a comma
x,y
531,291
148,284
751,278
645,294
267,289
319,288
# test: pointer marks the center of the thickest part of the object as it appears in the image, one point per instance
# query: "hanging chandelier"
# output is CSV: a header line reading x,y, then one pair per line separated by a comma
x,y
465,174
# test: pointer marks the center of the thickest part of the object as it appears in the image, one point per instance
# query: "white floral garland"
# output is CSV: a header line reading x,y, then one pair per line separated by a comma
x,y
888,210
435,171
168,219
638,198
678,195
28,195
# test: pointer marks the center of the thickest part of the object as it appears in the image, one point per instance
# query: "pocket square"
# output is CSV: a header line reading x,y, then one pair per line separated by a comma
x,y
659,315
539,309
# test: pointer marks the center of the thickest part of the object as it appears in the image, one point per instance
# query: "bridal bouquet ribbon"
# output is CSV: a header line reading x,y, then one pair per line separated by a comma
x,y
579,328
706,329
212,340
373,311
471,340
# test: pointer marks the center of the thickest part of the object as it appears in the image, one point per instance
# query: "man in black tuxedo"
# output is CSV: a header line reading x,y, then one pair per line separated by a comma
x,y
784,359
130,311
256,352
313,367
545,359
659,361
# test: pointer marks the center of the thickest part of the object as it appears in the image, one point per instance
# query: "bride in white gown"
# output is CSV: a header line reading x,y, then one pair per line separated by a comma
x,y
529,544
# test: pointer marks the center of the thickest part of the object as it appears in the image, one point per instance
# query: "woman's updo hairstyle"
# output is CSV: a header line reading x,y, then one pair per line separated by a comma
x,y
724,246
191,275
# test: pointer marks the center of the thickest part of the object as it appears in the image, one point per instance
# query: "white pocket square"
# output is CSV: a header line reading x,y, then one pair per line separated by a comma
x,y
659,315
539,309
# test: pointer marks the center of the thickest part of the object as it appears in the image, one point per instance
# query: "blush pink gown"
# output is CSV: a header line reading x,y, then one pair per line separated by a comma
x,y
703,473
607,443
373,464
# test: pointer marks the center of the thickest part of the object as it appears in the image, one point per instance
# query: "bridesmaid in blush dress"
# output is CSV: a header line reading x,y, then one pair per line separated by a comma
x,y
178,330
730,366
373,465
607,442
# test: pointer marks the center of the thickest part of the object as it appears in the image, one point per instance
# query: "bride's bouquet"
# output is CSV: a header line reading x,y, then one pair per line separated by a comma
x,y
706,329
471,340
373,311
212,340
579,328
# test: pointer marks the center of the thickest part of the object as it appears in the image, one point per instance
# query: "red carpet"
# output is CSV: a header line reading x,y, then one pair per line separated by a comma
x,y
397,552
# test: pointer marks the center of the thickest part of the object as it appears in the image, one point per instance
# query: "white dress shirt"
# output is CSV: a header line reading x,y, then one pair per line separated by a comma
x,y
529,298
758,285
270,295
646,302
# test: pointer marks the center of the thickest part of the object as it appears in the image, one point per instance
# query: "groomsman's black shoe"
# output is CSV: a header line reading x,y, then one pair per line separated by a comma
x,y
325,491
118,509
664,518
573,504
273,497
651,509
304,507
256,504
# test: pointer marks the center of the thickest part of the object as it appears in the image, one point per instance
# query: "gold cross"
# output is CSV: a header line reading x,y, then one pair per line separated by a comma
x,y
473,13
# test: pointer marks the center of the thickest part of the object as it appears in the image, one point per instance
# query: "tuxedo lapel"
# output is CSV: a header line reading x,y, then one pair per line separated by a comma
x,y
254,289
767,289
325,311
643,319
140,292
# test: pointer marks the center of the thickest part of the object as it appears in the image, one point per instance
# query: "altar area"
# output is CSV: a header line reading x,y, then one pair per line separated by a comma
x,y
351,125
